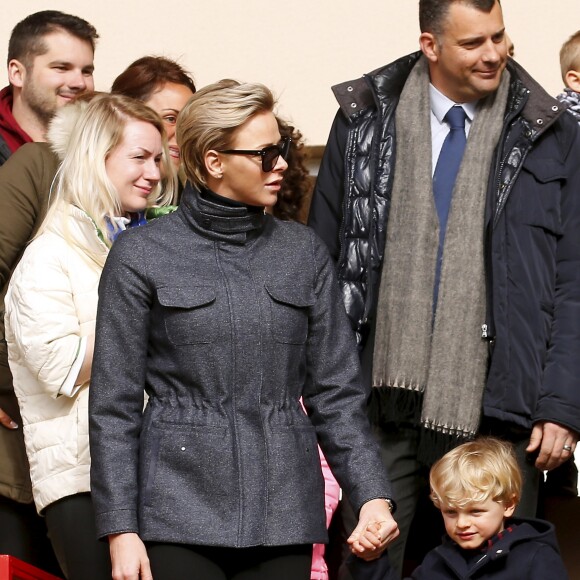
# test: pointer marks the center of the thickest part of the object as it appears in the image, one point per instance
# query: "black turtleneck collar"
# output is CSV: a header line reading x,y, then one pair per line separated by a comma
x,y
219,217
210,195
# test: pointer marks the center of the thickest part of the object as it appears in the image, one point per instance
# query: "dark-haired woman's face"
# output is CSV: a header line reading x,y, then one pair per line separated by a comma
x,y
167,102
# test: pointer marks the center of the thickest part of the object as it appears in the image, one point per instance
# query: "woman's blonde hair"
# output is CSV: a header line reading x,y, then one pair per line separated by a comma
x,y
475,472
82,179
212,116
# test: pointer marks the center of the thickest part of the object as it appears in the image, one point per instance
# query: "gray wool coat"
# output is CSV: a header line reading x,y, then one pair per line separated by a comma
x,y
226,318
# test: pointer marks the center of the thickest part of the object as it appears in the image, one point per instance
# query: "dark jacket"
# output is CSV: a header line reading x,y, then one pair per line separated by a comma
x,y
529,552
531,232
226,317
25,181
25,184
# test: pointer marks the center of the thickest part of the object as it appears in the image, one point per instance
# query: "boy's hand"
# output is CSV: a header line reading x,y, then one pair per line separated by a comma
x,y
376,529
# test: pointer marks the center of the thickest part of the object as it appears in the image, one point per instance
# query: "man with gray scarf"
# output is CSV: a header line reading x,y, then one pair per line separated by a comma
x,y
466,306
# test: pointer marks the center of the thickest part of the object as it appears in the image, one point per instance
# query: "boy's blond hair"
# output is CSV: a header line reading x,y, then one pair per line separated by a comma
x,y
570,55
475,472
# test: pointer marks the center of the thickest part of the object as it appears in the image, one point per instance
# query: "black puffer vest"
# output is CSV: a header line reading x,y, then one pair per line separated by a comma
x,y
370,103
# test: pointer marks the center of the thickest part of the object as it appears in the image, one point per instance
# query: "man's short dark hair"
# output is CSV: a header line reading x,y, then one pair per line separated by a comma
x,y
432,13
27,38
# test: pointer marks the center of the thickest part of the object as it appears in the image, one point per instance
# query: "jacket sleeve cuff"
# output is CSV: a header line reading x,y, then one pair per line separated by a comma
x,y
116,522
68,388
367,491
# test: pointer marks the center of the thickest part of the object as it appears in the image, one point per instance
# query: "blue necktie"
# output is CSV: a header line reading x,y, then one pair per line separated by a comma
x,y
444,179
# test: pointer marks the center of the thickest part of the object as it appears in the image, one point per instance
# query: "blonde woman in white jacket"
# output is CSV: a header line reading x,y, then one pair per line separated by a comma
x,y
114,165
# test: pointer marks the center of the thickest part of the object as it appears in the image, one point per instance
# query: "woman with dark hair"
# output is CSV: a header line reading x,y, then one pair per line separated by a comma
x,y
297,184
226,317
161,84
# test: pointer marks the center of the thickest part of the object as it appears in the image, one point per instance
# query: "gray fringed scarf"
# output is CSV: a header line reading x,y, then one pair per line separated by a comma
x,y
444,359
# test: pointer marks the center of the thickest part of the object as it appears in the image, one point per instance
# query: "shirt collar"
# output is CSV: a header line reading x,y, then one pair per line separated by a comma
x,y
440,104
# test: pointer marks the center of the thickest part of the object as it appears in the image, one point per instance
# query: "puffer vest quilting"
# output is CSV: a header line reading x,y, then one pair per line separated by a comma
x,y
370,157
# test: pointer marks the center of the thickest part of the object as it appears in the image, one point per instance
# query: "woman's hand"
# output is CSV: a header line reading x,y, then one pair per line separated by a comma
x,y
376,529
7,421
129,558
85,372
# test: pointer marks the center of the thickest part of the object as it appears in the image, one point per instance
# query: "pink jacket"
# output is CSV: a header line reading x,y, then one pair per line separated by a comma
x,y
319,570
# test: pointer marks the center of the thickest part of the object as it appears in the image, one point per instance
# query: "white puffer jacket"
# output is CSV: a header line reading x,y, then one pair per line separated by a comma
x,y
50,305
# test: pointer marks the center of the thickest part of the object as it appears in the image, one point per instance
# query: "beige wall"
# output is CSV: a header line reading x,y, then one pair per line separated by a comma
x,y
298,48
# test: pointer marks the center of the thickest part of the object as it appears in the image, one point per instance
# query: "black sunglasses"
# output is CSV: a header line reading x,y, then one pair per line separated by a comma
x,y
269,154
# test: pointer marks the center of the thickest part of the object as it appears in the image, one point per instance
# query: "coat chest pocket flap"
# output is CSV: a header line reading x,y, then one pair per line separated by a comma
x,y
190,314
541,202
289,308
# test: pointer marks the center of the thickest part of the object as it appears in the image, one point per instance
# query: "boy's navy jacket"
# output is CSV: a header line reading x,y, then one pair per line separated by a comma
x,y
379,569
529,552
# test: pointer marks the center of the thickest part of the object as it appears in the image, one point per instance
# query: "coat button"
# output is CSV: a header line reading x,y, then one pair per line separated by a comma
x,y
183,449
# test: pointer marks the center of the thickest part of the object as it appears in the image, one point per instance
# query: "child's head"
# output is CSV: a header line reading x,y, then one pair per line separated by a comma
x,y
476,486
570,62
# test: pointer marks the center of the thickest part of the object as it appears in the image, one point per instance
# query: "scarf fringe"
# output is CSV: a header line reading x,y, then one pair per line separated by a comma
x,y
399,383
445,429
392,406
436,440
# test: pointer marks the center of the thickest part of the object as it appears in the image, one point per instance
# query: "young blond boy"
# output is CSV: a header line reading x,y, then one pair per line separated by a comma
x,y
477,487
570,67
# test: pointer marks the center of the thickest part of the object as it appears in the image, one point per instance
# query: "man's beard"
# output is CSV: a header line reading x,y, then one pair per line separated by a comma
x,y
41,103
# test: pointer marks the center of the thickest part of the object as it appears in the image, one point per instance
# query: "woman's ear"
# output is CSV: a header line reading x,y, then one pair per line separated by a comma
x,y
213,164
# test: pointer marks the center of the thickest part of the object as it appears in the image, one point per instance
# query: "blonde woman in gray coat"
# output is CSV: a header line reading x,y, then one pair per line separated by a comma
x,y
226,316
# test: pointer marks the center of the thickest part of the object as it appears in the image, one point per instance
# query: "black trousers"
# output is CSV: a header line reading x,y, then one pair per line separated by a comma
x,y
71,529
23,534
182,562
